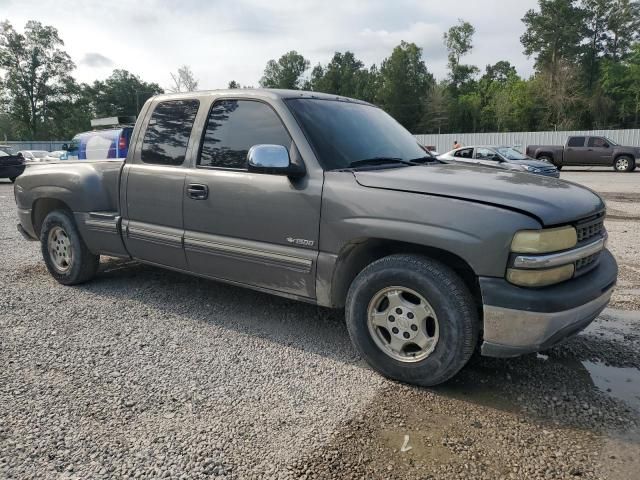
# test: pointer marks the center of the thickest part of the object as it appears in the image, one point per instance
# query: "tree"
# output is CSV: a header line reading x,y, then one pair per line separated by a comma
x,y
184,80
344,75
554,35
435,118
36,69
123,93
286,72
621,82
233,84
404,82
623,25
458,42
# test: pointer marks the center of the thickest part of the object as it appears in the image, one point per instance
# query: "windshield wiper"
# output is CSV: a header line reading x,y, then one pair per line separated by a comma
x,y
425,159
378,161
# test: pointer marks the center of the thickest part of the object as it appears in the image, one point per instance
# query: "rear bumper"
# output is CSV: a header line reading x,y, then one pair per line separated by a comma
x,y
522,320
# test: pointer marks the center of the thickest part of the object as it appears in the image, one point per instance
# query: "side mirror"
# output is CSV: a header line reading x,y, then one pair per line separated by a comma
x,y
272,159
606,145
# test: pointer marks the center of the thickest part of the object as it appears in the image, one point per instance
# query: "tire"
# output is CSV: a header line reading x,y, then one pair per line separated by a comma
x,y
548,158
451,324
624,163
66,255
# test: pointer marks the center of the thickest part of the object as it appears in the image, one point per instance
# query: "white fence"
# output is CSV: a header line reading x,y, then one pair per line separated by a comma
x,y
444,142
48,145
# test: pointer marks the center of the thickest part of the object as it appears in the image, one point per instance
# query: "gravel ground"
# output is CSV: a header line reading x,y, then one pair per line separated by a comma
x,y
145,373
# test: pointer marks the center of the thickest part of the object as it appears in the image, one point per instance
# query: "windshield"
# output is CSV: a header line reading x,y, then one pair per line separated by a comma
x,y
611,142
3,153
511,153
342,133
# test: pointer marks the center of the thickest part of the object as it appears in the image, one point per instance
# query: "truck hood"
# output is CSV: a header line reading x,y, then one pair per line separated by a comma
x,y
550,200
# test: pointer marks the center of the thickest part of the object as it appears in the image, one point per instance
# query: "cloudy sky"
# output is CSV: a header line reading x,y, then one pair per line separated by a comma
x,y
225,40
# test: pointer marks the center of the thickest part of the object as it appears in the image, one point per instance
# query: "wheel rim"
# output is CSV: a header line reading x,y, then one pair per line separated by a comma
x,y
403,324
60,250
622,163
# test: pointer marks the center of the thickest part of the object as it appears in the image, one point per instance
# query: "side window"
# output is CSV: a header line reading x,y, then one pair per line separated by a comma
x,y
485,154
576,142
597,142
167,136
233,127
464,153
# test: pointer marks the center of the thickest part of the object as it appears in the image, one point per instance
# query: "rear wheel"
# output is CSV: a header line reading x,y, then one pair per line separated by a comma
x,y
624,164
412,318
66,255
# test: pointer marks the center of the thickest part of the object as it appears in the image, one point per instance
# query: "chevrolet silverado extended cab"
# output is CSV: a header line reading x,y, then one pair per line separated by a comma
x,y
329,200
588,151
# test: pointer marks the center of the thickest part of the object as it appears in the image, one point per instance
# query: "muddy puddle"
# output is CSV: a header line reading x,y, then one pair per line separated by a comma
x,y
622,383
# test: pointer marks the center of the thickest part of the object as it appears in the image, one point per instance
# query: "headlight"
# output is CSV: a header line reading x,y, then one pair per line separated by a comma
x,y
540,278
544,241
531,169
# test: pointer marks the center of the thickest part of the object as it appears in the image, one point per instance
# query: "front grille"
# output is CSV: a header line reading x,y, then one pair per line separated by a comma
x,y
586,261
590,228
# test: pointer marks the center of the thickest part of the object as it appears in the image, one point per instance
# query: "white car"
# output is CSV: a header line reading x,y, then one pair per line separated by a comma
x,y
34,156
55,156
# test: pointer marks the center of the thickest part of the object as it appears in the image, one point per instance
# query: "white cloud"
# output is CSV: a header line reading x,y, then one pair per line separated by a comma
x,y
225,40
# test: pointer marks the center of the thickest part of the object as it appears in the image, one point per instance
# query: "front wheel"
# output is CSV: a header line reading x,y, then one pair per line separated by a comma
x,y
66,255
412,319
624,164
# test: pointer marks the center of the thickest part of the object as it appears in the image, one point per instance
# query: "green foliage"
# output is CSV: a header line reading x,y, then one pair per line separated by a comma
x,y
37,69
345,75
123,93
587,59
286,72
404,81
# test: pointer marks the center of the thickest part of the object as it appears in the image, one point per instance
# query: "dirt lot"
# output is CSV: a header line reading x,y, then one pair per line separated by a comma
x,y
145,373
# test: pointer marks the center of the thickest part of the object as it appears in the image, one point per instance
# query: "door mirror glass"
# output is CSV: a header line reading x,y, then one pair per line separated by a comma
x,y
273,159
605,145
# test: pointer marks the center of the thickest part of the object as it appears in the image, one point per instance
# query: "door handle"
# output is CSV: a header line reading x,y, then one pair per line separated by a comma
x,y
590,150
197,191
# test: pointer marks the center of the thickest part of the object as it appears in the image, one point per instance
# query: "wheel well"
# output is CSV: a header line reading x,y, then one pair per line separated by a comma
x,y
42,208
356,256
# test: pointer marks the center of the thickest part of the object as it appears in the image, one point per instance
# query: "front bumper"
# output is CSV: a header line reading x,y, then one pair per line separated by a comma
x,y
524,320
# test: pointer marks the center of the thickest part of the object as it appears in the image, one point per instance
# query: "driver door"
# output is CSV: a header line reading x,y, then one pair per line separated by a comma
x,y
251,228
486,156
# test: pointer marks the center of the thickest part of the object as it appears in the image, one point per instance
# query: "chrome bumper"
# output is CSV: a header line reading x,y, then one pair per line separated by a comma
x,y
509,332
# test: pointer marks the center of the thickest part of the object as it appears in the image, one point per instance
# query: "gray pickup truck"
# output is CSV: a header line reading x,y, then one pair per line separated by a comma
x,y
329,200
588,151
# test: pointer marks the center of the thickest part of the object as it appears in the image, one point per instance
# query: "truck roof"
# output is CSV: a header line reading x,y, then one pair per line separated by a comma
x,y
271,93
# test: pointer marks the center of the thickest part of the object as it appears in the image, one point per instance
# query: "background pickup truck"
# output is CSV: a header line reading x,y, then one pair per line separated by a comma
x,y
588,151
329,200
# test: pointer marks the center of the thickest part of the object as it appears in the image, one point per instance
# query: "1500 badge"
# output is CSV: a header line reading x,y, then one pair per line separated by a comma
x,y
301,241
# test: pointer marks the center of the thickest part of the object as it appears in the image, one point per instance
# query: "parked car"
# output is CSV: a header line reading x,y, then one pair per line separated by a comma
x,y
505,158
11,164
100,144
56,155
33,156
588,151
330,201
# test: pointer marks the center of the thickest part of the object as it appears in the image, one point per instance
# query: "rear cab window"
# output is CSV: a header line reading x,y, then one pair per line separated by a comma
x,y
167,136
576,142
